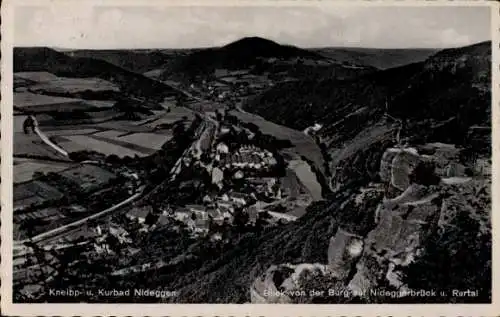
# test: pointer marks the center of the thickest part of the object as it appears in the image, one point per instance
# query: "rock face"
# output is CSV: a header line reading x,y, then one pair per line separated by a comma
x,y
403,164
280,283
425,187
344,250
404,223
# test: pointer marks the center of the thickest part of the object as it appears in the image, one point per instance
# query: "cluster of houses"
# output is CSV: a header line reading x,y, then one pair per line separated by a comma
x,y
197,218
247,156
231,84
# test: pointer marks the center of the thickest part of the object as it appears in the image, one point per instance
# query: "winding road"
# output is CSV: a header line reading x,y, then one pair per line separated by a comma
x,y
46,140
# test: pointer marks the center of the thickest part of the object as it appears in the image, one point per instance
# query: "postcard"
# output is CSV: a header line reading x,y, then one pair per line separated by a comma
x,y
250,158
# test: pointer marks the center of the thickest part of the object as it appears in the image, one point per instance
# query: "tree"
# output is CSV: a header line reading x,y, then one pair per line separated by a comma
x,y
240,218
151,219
457,258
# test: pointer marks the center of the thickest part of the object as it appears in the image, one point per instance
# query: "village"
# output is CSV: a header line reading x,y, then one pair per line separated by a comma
x,y
244,180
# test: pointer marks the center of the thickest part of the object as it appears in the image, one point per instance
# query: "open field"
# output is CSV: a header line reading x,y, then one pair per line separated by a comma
x,y
150,140
26,99
49,82
38,77
103,115
27,193
74,85
41,103
303,144
124,126
138,143
176,114
110,134
17,124
118,125
121,138
24,169
157,115
88,177
83,142
101,103
30,145
68,131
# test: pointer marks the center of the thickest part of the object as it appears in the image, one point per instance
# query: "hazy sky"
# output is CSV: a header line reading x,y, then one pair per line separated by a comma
x,y
182,26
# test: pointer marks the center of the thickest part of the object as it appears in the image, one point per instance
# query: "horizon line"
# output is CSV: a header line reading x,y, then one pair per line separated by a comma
x,y
258,37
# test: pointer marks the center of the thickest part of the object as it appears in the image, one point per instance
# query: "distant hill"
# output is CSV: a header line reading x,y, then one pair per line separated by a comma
x,y
139,61
246,53
379,58
28,59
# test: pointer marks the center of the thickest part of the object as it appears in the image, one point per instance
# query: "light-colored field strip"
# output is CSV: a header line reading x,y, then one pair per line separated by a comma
x,y
110,134
36,76
100,103
76,84
176,114
88,143
30,99
150,140
125,126
24,171
69,132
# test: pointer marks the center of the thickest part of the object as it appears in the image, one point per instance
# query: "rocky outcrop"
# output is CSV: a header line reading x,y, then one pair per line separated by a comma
x,y
404,223
281,283
425,187
344,250
403,164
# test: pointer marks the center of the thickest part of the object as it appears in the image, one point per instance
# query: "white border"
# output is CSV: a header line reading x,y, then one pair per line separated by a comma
x,y
229,309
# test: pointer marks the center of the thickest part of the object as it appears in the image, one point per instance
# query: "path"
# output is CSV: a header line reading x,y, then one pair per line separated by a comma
x,y
46,140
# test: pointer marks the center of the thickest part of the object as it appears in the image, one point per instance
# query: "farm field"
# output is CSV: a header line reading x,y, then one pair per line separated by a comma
x,y
30,101
27,193
109,134
157,115
150,140
101,104
103,114
304,145
30,145
83,142
176,114
124,126
75,85
88,177
17,123
35,76
68,131
52,83
38,103
24,169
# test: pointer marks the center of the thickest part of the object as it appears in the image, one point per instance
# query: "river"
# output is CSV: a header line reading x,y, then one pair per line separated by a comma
x,y
307,177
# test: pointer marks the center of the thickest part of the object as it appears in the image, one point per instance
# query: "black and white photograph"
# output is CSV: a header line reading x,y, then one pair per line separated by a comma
x,y
250,154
